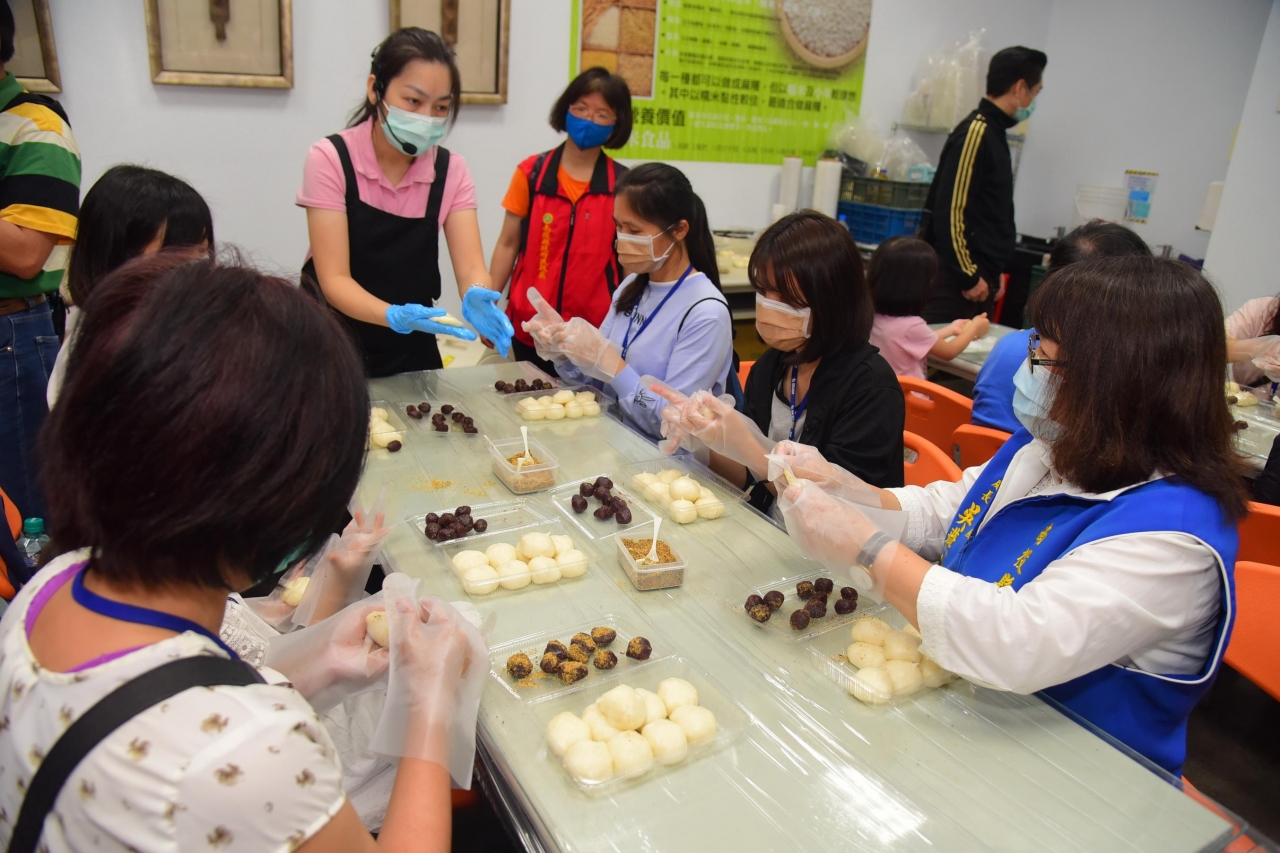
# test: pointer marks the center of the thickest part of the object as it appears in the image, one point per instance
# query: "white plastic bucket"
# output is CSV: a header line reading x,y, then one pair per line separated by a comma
x,y
1105,203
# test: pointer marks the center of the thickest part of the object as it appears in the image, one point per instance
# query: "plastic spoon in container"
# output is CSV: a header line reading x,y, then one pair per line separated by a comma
x,y
652,556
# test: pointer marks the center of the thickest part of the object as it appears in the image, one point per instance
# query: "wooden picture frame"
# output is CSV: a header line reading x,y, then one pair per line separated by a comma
x,y
35,58
247,43
480,33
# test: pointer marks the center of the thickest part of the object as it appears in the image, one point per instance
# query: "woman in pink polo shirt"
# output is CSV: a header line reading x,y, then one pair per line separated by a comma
x,y
378,193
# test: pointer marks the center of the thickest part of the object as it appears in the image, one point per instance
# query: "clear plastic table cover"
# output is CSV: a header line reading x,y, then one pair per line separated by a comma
x,y
959,768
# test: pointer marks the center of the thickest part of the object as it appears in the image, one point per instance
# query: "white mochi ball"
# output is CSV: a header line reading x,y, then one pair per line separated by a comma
x,y
934,675
600,728
667,740
899,645
631,753
572,563
500,552
677,693
380,414
654,707
573,411
589,761
556,412
709,508
544,570
564,730
585,397
697,722
684,489
562,543
535,412
705,494
644,478
514,574
480,580
669,475
375,625
660,492
623,708
536,545
545,400
464,560
913,631
683,512
294,590
869,629
591,410
563,396
863,655
872,685
905,675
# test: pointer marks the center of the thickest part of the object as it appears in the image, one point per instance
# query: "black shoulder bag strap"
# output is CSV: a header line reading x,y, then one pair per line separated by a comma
x,y
110,713
728,380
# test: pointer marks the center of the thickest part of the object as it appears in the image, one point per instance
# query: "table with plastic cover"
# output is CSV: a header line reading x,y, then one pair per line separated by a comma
x,y
967,364
960,768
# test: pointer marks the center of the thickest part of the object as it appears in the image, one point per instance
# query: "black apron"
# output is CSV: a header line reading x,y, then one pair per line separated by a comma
x,y
397,259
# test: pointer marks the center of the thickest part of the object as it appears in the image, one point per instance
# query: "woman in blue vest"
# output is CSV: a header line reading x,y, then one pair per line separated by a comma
x,y
1092,557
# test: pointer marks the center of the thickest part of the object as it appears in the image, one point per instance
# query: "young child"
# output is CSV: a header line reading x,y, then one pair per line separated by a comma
x,y
900,274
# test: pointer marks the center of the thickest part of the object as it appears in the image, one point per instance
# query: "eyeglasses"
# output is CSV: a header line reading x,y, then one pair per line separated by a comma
x,y
581,110
1033,360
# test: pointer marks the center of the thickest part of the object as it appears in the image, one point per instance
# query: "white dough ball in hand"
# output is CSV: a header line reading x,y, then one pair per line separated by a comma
x,y
588,761
623,708
573,563
684,489
676,693
375,625
899,645
654,707
863,655
871,685
562,543
869,629
501,552
668,741
480,580
536,545
631,753
905,675
294,590
514,574
934,675
464,560
544,570
600,728
697,722
564,730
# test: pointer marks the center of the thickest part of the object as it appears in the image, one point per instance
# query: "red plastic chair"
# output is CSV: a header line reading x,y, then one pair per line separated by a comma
x,y
931,464
744,370
973,445
1260,535
1254,651
934,412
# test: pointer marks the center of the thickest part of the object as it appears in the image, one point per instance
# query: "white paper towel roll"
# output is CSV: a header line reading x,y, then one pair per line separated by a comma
x,y
789,189
826,187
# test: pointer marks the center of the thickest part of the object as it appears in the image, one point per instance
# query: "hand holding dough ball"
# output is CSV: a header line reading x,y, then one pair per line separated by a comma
x,y
899,645
677,693
500,552
872,685
905,676
934,675
684,489
564,730
667,740
514,574
375,625
536,545
869,629
464,560
588,761
561,543
544,570
595,720
683,512
654,707
572,563
631,753
623,708
697,722
863,655
668,476
294,590
709,507
480,580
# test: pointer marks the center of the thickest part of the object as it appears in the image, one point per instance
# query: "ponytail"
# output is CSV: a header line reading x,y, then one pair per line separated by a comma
x,y
662,195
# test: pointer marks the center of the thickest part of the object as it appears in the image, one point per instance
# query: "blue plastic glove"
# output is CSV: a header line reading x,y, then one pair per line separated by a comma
x,y
420,318
479,310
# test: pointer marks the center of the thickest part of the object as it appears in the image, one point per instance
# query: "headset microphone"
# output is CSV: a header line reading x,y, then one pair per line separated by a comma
x,y
409,148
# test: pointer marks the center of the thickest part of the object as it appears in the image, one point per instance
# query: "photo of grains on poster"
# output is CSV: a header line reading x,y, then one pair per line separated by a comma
x,y
733,81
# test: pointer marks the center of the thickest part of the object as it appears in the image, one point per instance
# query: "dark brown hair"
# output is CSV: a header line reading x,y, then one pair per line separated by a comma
x,y
811,260
398,50
212,423
1097,239
616,94
900,276
661,195
1147,398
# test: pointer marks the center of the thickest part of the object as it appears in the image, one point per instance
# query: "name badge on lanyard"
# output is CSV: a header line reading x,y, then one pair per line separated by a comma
x,y
627,340
796,411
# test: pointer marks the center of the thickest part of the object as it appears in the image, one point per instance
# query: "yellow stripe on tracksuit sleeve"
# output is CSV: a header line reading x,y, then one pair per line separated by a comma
x,y
960,194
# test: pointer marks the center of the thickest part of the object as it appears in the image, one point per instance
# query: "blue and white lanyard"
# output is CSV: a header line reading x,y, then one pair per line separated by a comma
x,y
796,411
627,340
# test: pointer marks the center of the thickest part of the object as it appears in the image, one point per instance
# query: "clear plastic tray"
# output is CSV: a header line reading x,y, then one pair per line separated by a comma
x,y
446,551
780,622
723,494
526,371
455,427
645,578
731,717
516,401
397,426
827,651
503,517
541,685
433,386
641,515
530,478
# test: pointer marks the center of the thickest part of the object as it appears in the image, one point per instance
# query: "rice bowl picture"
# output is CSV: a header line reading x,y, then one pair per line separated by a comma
x,y
825,33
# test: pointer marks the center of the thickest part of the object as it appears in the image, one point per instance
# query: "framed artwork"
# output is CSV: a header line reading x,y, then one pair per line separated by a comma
x,y
221,42
35,59
477,30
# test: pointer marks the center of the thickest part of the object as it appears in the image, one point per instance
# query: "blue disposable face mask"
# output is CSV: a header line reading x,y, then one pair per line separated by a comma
x,y
1032,399
412,133
586,133
1021,114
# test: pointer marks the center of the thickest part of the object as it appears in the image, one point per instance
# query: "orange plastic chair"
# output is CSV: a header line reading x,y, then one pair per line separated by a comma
x,y
1254,651
1260,535
931,464
934,412
973,445
744,370
11,514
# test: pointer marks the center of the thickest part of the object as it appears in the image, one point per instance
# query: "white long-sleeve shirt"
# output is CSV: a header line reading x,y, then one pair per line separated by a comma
x,y
1143,600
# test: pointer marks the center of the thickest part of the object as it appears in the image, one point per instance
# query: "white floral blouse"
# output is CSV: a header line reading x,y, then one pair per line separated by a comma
x,y
222,768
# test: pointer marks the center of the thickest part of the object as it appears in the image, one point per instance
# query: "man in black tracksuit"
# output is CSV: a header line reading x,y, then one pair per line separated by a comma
x,y
968,216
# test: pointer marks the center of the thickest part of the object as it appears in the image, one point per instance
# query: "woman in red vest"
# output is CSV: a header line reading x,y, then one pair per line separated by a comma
x,y
559,232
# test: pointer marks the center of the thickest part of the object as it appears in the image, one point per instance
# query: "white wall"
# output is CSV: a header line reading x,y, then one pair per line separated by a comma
x,y
1241,257
1157,86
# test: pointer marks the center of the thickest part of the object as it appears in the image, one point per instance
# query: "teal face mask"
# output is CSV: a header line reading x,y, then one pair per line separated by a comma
x,y
1021,114
412,133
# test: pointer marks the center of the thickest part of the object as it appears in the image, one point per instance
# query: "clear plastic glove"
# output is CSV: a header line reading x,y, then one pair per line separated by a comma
x,y
1263,352
542,325
404,319
343,567
588,349
714,422
439,663
806,463
333,660
277,608
480,309
854,541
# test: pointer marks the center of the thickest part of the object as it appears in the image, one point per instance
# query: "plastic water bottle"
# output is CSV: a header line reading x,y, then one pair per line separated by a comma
x,y
32,541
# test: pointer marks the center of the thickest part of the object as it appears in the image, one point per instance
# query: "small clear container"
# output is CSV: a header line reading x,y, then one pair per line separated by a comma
x,y
827,652
720,501
731,717
395,431
522,370
522,403
455,428
641,515
645,578
780,621
541,685
537,477
524,581
502,517
433,386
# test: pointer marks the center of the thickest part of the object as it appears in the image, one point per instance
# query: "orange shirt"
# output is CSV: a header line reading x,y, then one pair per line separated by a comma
x,y
517,198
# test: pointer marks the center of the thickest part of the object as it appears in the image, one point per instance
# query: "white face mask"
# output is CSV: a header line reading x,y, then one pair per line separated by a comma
x,y
780,326
635,251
